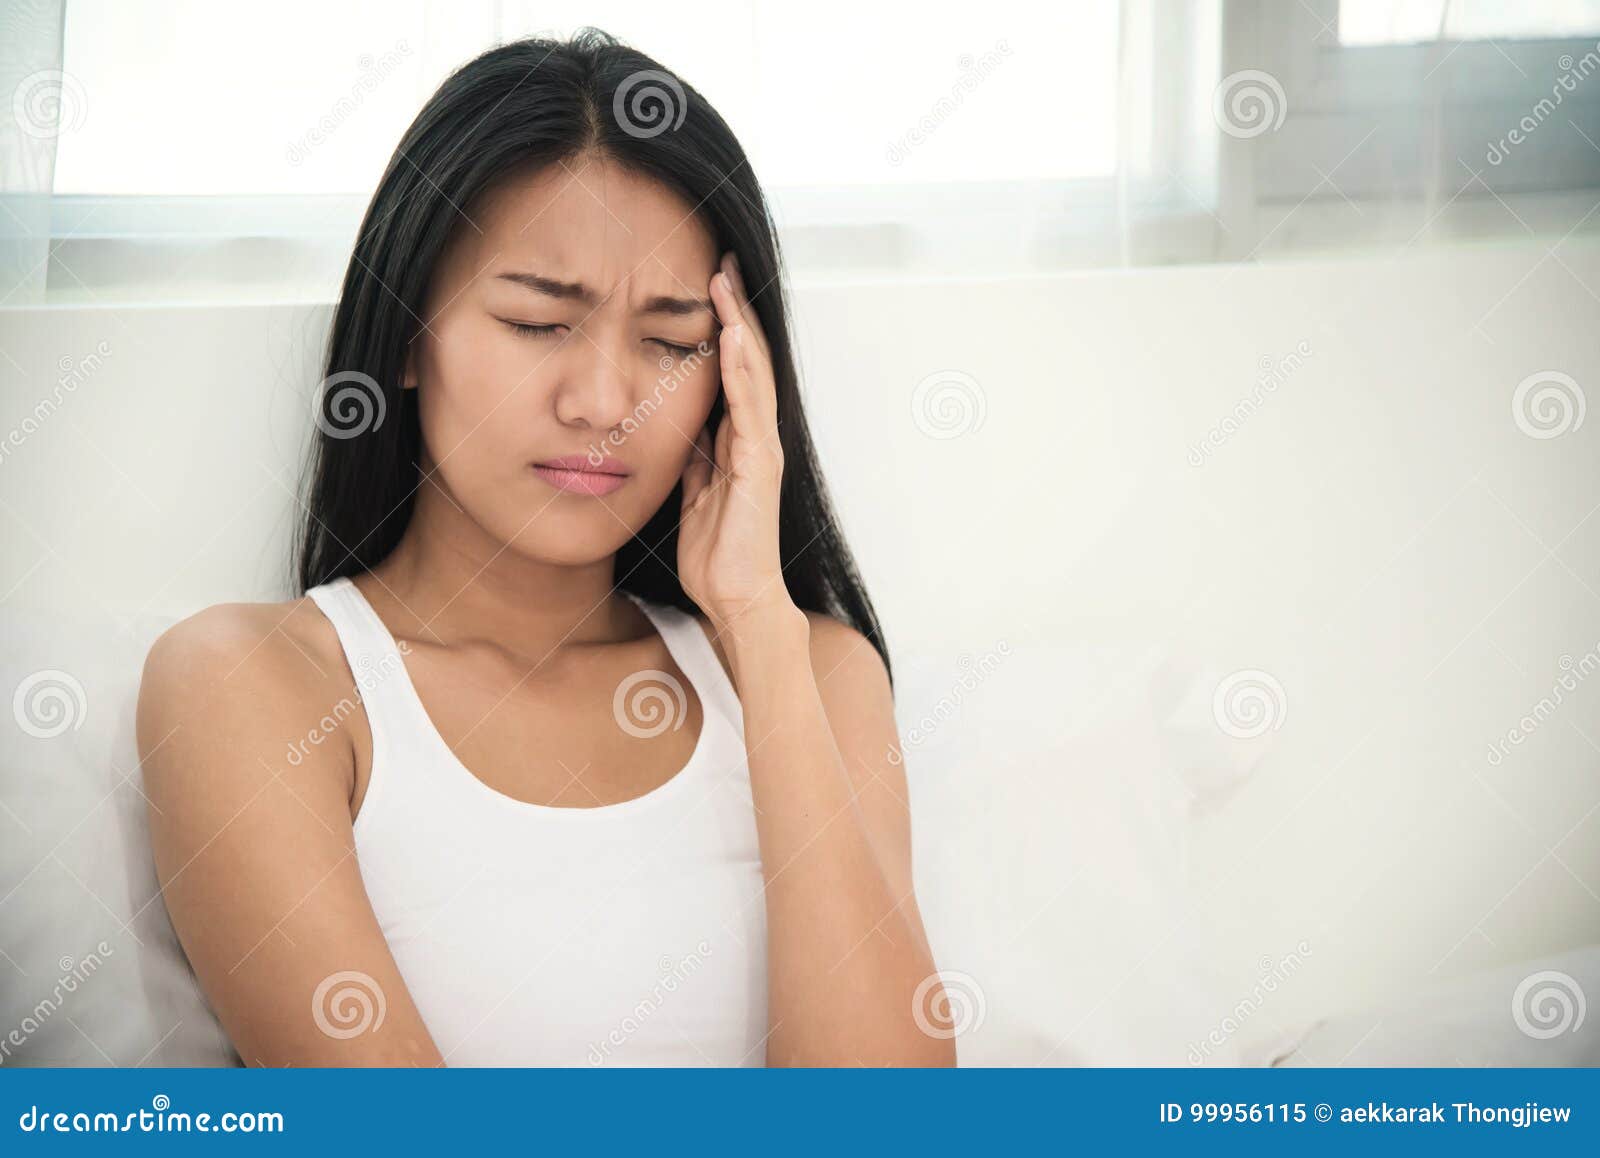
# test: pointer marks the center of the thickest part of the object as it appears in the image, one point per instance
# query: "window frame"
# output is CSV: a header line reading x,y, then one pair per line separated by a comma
x,y
1336,93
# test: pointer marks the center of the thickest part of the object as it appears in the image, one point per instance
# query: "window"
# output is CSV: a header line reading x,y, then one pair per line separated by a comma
x,y
938,142
184,97
1400,120
1368,22
229,145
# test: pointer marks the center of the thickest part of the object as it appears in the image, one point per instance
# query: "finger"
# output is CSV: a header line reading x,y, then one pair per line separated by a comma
x,y
752,353
733,307
724,451
741,292
738,387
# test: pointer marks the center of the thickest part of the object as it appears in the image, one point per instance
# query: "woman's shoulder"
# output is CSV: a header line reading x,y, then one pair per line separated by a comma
x,y
276,656
235,633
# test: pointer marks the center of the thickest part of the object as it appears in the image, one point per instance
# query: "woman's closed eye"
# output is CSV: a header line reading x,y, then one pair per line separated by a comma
x,y
530,329
539,330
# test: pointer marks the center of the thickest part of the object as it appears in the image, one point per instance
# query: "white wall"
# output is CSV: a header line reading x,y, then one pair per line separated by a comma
x,y
1380,536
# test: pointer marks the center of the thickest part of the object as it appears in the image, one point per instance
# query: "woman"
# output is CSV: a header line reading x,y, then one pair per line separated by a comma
x,y
579,747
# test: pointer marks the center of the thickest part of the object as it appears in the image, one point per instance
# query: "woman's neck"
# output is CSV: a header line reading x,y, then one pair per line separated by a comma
x,y
448,581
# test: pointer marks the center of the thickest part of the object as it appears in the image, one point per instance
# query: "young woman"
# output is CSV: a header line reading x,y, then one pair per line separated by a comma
x,y
579,747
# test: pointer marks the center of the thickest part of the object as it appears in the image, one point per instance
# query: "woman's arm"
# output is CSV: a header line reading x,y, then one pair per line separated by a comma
x,y
849,972
848,961
256,856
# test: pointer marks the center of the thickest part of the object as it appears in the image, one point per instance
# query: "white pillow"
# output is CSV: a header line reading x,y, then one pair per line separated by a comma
x,y
1531,1013
1049,820
97,976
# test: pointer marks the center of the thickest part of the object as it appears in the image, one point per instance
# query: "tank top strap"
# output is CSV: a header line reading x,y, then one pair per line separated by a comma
x,y
692,651
374,657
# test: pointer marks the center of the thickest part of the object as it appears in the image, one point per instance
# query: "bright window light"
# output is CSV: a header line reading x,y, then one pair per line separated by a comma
x,y
306,97
1373,22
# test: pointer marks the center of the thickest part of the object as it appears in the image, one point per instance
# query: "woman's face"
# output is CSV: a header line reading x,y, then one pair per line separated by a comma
x,y
570,319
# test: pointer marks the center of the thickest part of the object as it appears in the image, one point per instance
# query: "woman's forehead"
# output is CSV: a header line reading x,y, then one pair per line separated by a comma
x,y
595,214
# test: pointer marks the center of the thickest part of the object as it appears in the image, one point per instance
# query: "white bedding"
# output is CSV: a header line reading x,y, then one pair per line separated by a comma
x,y
1532,1013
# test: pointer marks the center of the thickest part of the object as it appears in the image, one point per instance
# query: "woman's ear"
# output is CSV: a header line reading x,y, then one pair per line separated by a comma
x,y
408,379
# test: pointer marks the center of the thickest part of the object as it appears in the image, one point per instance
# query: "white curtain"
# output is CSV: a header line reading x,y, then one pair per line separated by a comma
x,y
1169,185
41,99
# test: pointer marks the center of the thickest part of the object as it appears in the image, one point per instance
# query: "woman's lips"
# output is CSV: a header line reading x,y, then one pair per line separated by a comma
x,y
577,476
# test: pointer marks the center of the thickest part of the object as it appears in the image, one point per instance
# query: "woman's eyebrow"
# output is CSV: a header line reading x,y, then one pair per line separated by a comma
x,y
578,292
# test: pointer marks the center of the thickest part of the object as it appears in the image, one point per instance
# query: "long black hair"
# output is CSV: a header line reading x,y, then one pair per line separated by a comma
x,y
516,108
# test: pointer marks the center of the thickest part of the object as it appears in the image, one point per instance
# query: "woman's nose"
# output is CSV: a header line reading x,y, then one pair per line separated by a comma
x,y
595,391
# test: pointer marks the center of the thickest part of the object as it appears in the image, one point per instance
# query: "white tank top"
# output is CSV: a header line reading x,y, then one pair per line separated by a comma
x,y
628,934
